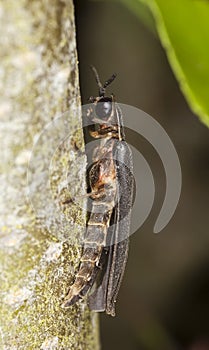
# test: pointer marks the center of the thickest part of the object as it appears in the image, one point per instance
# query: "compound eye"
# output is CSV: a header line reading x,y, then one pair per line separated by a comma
x,y
103,108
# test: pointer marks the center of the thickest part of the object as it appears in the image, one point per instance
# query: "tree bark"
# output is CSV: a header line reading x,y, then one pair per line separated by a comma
x,y
42,167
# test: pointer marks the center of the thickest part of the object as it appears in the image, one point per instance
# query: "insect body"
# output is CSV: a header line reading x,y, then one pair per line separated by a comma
x,y
105,248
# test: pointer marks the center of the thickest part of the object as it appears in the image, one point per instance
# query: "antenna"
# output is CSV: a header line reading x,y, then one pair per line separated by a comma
x,y
102,88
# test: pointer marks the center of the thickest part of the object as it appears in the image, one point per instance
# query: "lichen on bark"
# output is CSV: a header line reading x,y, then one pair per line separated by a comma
x,y
40,168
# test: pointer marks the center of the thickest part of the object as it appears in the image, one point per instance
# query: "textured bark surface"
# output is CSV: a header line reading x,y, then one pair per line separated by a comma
x,y
42,165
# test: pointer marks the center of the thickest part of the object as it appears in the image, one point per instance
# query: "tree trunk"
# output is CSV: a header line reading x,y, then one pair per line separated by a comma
x,y
42,167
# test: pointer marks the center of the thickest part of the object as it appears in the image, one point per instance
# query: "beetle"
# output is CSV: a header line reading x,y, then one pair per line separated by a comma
x,y
111,180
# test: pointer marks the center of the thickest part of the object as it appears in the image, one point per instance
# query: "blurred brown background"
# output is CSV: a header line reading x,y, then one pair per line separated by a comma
x,y
164,299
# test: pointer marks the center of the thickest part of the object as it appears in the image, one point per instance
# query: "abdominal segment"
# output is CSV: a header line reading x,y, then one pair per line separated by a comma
x,y
103,202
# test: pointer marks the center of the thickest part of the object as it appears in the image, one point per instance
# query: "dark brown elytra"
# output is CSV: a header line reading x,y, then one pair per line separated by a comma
x,y
105,249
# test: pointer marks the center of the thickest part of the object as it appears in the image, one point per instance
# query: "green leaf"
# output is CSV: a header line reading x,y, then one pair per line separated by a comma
x,y
183,28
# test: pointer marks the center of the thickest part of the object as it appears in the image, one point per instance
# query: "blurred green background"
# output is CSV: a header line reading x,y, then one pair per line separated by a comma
x,y
164,299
